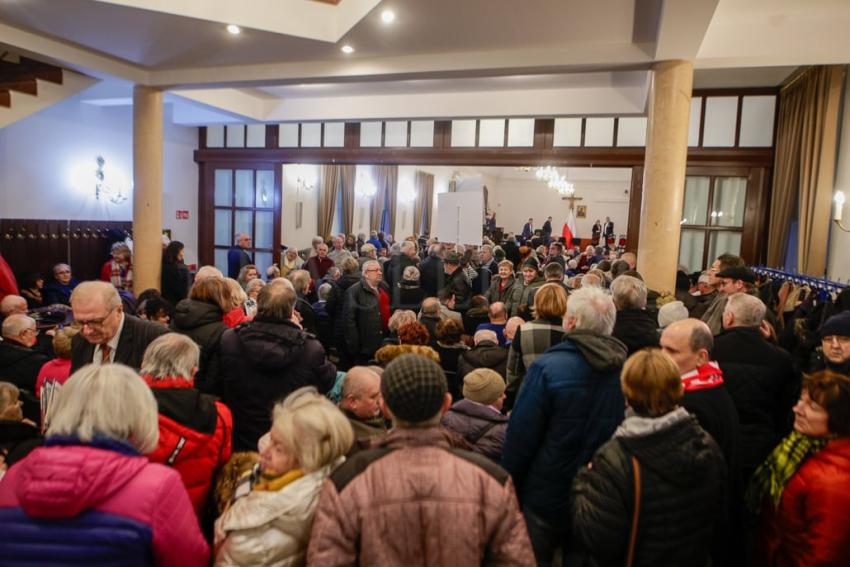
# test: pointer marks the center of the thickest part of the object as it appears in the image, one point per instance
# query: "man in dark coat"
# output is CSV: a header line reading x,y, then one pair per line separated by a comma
x,y
527,230
485,354
59,290
19,361
395,266
107,334
569,405
608,227
547,231
457,282
760,378
366,314
431,271
267,359
511,249
635,327
237,256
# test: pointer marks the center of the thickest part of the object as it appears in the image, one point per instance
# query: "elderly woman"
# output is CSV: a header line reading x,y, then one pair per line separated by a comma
x,y
397,320
270,520
236,313
409,293
196,423
253,287
449,344
301,282
125,509
501,286
54,373
119,270
246,274
660,472
413,339
290,261
534,337
801,488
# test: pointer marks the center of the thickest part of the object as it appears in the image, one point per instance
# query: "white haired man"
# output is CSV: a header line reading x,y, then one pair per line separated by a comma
x,y
20,363
635,327
569,405
361,402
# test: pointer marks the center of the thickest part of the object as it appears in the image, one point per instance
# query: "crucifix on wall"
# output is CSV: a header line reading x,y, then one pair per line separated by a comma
x,y
572,199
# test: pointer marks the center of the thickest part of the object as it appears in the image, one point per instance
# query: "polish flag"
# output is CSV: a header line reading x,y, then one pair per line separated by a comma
x,y
569,231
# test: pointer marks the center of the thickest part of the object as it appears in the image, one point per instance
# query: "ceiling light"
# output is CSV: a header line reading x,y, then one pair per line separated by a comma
x,y
347,49
388,16
233,29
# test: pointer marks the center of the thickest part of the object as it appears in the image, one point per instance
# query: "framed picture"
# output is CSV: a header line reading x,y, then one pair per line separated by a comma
x,y
581,211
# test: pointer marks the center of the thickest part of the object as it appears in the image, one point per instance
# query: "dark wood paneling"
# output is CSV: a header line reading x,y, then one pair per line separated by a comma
x,y
635,200
544,134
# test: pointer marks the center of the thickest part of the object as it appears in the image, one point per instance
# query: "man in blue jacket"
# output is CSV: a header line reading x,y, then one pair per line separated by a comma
x,y
569,405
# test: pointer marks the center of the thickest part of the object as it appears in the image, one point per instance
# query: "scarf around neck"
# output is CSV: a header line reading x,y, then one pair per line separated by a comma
x,y
705,377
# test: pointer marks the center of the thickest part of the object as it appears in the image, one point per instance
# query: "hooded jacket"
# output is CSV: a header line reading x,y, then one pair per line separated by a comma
x,y
264,361
203,323
682,474
569,405
99,503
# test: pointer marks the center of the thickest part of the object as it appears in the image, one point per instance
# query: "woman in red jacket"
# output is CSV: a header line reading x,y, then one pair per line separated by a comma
x,y
802,486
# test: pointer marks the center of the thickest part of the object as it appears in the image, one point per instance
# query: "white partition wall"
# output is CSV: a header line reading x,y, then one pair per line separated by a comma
x,y
459,217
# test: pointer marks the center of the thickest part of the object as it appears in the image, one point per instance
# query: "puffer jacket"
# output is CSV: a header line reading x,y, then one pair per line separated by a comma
x,y
569,405
389,505
194,435
682,477
204,323
812,524
96,504
264,361
483,427
271,527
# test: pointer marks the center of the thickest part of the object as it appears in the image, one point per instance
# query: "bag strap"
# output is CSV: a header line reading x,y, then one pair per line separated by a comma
x,y
635,514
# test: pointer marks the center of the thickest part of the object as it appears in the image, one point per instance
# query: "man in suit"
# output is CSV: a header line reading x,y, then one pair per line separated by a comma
x,y
608,228
547,231
107,334
528,230
237,256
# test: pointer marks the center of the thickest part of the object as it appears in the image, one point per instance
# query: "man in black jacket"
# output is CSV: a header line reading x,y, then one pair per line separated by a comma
x,y
266,360
366,314
107,334
457,282
431,272
760,378
547,231
20,363
635,327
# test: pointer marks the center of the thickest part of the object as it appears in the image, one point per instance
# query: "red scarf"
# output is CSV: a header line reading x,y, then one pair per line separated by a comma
x,y
384,308
705,377
168,382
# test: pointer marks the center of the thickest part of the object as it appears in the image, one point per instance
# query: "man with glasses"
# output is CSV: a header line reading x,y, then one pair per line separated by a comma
x,y
237,257
366,313
107,334
59,290
19,361
834,353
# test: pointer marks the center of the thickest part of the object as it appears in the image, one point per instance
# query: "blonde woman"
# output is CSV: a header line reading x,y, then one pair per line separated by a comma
x,y
271,517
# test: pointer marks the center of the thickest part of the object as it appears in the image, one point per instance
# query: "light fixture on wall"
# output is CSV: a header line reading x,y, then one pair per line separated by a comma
x,y
102,188
838,213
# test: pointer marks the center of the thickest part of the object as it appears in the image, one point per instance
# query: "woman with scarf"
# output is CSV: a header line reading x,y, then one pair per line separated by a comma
x,y
270,519
801,489
291,261
119,270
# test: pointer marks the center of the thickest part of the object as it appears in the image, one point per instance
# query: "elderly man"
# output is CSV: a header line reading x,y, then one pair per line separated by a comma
x,y
237,255
366,313
19,361
635,327
12,305
395,266
430,315
208,272
107,334
759,376
511,327
498,319
569,405
432,271
457,281
705,295
339,253
361,402
485,354
265,360
835,345
713,314
411,483
59,290
319,264
367,252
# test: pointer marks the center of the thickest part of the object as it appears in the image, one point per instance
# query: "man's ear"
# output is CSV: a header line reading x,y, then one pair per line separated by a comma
x,y
385,409
447,403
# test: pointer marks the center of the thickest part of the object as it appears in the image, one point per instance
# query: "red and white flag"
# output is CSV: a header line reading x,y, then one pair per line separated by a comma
x,y
569,231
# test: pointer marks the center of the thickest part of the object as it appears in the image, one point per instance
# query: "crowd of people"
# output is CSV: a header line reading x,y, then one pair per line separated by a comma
x,y
367,401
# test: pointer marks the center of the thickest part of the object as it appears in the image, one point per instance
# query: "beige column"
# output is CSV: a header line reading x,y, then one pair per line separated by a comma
x,y
147,187
664,173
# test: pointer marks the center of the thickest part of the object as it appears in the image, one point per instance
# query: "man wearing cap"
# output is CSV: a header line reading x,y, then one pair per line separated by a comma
x,y
834,353
457,282
478,416
389,505
706,294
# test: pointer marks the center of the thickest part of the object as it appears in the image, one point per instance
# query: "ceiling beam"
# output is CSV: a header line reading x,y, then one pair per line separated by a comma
x,y
682,27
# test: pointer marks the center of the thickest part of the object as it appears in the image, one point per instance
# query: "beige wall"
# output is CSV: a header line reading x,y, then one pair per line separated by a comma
x,y
838,262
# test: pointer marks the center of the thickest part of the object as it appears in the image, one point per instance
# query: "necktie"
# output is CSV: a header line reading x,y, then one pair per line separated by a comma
x,y
104,352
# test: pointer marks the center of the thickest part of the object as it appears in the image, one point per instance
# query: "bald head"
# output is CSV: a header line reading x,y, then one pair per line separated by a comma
x,y
485,335
13,304
20,329
689,343
361,392
498,313
511,326
208,272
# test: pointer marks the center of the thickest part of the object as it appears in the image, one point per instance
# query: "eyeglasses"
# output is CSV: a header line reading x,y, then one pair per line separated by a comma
x,y
379,270
94,323
33,330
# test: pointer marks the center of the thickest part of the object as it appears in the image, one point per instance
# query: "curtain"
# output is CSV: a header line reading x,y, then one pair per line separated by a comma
x,y
327,199
385,178
348,177
806,144
423,205
391,198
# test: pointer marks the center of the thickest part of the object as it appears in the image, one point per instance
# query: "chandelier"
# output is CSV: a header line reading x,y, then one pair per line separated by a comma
x,y
102,188
555,180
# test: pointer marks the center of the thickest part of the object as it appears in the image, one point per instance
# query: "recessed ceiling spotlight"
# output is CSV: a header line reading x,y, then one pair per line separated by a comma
x,y
347,49
233,29
388,16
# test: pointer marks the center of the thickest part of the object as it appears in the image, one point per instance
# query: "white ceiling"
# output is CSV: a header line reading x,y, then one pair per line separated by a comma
x,y
439,58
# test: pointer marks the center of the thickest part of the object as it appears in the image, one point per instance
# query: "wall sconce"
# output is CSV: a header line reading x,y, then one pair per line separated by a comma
x,y
102,188
838,213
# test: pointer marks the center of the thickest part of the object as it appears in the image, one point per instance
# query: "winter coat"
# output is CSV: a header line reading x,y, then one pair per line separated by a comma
x,y
175,282
362,319
365,428
394,270
812,524
450,354
17,439
637,329
485,354
55,292
569,405
521,298
194,436
271,527
407,295
20,365
495,294
713,314
204,323
432,276
531,340
459,285
264,361
334,307
483,427
96,504
391,505
764,386
682,477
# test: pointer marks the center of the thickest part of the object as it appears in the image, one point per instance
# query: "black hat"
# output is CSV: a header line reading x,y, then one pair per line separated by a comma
x,y
413,387
837,325
531,262
738,273
452,258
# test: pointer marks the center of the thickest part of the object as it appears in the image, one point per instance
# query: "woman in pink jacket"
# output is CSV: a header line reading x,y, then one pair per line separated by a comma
x,y
89,496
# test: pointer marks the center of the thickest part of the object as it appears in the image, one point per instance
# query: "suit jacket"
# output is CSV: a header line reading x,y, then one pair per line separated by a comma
x,y
135,338
547,228
608,229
